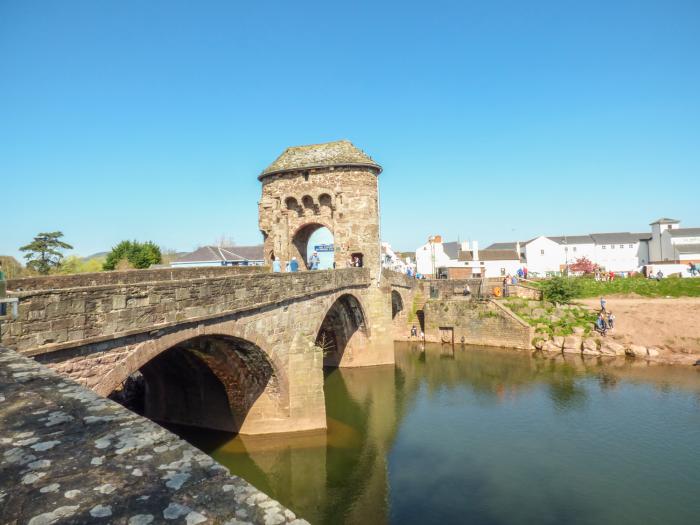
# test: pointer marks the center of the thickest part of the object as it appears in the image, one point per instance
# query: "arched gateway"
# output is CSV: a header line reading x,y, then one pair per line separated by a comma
x,y
332,185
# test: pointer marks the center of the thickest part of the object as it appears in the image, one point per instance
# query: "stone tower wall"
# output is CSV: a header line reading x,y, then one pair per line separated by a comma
x,y
344,199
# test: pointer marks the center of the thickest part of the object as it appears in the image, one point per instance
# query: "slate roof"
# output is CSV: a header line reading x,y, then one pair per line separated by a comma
x,y
646,236
664,220
232,253
504,246
572,239
451,249
615,238
684,232
688,248
339,153
490,255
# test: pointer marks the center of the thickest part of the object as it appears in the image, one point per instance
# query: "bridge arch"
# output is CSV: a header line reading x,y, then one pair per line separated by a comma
x,y
218,379
396,304
343,334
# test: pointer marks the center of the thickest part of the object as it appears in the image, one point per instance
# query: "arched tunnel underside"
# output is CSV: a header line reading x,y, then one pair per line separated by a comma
x,y
212,382
343,334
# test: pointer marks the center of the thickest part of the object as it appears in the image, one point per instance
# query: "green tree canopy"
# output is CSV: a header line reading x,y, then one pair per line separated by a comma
x,y
560,289
137,254
75,264
44,252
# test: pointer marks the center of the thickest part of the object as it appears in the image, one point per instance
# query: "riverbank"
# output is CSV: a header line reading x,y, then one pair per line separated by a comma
x,y
670,324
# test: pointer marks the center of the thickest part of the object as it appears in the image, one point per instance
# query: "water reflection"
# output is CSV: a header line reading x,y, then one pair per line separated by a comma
x,y
459,434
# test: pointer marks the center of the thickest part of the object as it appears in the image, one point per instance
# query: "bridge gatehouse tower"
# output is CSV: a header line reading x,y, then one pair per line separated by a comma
x,y
332,185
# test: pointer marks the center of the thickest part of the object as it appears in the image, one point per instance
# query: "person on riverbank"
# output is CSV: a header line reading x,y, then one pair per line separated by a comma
x,y
611,320
294,265
276,266
603,304
601,325
2,289
414,331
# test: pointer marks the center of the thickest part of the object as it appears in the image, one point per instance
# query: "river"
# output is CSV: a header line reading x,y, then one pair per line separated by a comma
x,y
487,436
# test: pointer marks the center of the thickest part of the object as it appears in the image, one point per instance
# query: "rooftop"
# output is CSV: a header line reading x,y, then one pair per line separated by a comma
x,y
339,153
685,232
688,248
451,249
490,255
664,220
217,254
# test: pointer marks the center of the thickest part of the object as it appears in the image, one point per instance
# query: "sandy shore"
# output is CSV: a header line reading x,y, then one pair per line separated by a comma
x,y
672,324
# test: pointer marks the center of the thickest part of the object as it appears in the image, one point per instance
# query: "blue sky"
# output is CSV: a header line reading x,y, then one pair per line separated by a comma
x,y
492,120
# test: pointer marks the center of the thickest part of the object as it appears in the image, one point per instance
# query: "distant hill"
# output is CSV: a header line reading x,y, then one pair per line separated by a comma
x,y
97,255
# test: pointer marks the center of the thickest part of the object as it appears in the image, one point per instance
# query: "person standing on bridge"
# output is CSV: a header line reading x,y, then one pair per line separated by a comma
x,y
294,265
314,261
276,266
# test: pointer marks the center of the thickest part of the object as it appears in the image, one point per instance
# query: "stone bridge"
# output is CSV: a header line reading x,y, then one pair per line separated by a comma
x,y
225,348
236,349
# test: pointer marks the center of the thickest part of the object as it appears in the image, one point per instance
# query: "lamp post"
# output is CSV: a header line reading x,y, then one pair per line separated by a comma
x,y
431,240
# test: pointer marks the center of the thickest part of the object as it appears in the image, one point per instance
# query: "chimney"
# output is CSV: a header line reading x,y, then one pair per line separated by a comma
x,y
517,248
465,246
475,249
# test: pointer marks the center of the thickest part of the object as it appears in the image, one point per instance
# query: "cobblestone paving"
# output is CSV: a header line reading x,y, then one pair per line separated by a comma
x,y
70,456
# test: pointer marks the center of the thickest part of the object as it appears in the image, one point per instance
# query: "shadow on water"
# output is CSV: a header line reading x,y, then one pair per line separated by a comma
x,y
485,436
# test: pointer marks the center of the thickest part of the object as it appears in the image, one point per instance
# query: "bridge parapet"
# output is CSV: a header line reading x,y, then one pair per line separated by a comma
x,y
399,280
51,282
65,317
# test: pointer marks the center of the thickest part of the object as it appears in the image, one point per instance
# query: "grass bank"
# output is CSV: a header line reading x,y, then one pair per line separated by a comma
x,y
673,287
551,319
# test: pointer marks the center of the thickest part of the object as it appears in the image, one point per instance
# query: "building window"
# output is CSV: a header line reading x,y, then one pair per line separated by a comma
x,y
541,252
612,246
631,245
603,247
574,248
622,246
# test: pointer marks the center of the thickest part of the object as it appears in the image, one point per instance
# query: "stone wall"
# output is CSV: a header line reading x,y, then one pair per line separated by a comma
x,y
475,322
55,319
69,456
129,277
525,291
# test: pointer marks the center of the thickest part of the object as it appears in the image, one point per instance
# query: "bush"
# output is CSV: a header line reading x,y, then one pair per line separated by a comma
x,y
560,290
136,254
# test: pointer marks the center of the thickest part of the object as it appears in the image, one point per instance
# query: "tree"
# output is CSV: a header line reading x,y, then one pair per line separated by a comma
x,y
560,289
133,254
43,252
583,265
11,267
75,264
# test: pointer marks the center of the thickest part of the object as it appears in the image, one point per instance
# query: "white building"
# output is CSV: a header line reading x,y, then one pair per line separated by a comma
x,y
392,261
671,243
435,254
616,252
463,260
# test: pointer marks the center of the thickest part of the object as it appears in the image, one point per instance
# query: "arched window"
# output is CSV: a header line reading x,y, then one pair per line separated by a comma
x,y
307,201
325,200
